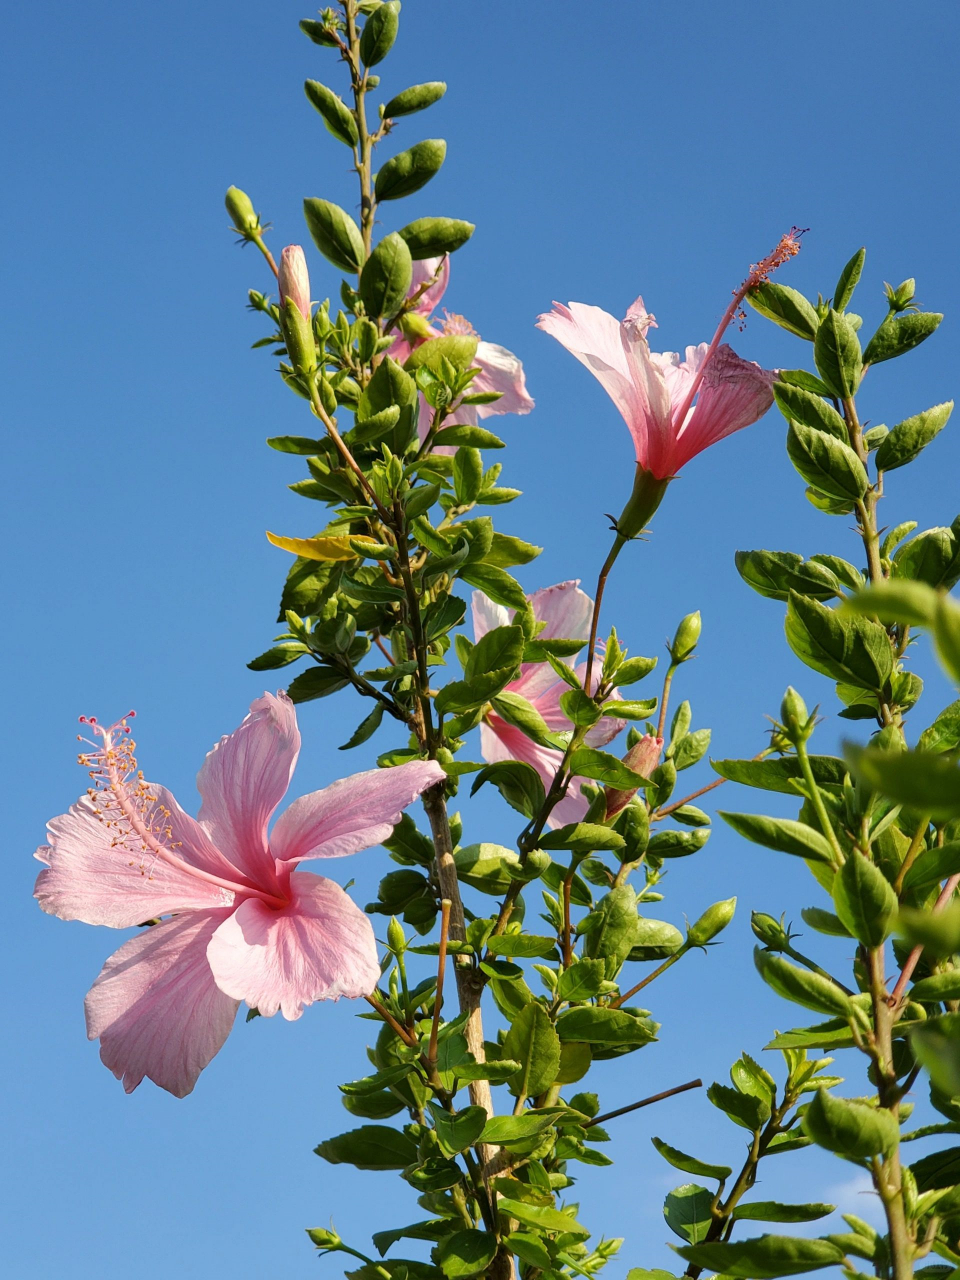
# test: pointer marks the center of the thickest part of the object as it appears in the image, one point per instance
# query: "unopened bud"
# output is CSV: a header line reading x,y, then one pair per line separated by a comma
x,y
647,495
685,641
797,721
643,757
294,282
415,327
396,939
241,211
769,931
902,296
713,921
324,1239
294,279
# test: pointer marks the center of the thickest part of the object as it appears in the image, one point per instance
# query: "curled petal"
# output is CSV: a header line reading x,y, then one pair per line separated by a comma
x,y
351,814
502,741
89,877
156,1008
565,609
320,947
244,778
501,370
733,394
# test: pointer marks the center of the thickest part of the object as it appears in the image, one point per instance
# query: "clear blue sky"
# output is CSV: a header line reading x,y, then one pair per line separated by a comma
x,y
603,151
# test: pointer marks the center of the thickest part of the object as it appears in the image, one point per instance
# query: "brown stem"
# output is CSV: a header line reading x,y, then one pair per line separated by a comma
x,y
661,968
678,804
406,1036
257,238
896,995
441,966
345,454
645,1102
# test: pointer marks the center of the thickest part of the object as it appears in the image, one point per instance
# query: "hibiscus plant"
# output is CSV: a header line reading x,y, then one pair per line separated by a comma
x,y
485,1028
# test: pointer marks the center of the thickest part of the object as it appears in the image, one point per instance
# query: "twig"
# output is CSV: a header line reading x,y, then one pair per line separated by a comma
x,y
391,1021
645,1102
906,972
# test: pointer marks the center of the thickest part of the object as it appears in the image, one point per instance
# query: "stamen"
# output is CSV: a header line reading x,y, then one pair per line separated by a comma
x,y
457,324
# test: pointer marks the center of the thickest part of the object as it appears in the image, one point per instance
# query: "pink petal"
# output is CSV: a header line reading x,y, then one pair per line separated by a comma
x,y
565,609
651,422
501,370
487,615
502,741
733,394
156,1008
423,270
320,947
352,814
89,878
244,778
593,336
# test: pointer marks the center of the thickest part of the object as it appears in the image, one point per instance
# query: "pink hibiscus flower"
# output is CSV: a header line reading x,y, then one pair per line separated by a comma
x,y
567,611
500,369
674,408
240,921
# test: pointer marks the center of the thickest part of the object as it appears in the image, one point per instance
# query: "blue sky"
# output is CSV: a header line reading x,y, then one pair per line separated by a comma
x,y
656,149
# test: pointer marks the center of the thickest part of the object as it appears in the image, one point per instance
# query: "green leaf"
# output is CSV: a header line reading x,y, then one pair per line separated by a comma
x,y
373,1106
506,550
923,781
281,655
410,170
498,1072
687,1211
849,277
302,445
495,583
932,867
316,682
373,1146
743,1108
464,695
936,1044
528,1248
460,1130
690,1164
416,98
774,574
365,729
898,334
678,844
690,748
582,837
579,708
518,783
632,670
772,1211
516,710
501,1131
828,464
630,709
379,33
486,867
499,647
391,385
825,922
806,381
851,1129
785,307
533,1042
799,405
909,437
778,775
432,1229
467,475
459,348
335,234
525,945
656,940
386,277
542,1217
852,649
782,834
865,901
595,1025
475,437
936,988
334,112
433,237
466,1253
611,930
588,762
582,980
836,351
811,990
763,1258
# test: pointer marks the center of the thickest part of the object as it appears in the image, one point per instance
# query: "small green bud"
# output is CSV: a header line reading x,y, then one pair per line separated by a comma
x,y
241,211
796,720
328,397
902,296
713,921
396,938
771,932
324,1239
685,641
415,327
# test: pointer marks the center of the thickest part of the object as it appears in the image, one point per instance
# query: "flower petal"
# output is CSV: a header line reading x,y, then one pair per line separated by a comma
x,y
487,615
244,778
424,269
651,424
156,1008
733,394
502,741
90,878
593,336
501,370
565,609
351,814
320,947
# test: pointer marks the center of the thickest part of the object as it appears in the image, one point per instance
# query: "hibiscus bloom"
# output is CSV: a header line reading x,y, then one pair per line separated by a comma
x,y
239,920
500,369
674,408
567,612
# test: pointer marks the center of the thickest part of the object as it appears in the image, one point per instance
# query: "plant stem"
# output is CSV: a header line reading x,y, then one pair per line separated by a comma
x,y
363,149
345,454
816,799
665,699
618,543
645,1102
661,968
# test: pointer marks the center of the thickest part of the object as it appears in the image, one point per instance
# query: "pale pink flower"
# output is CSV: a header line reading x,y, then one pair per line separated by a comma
x,y
567,612
643,757
240,921
500,369
294,279
655,392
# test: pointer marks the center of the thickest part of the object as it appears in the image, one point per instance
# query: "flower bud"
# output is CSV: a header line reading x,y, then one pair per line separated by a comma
x,y
294,285
647,495
770,932
415,327
324,1239
642,758
795,718
713,921
902,296
396,939
685,641
241,211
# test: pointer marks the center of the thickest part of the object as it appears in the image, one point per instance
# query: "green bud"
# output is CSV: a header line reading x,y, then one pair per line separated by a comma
x,y
771,932
713,921
324,1239
685,641
415,327
902,296
241,211
396,939
647,495
298,336
795,717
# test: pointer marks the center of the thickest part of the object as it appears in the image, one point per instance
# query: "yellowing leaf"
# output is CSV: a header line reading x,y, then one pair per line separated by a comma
x,y
318,548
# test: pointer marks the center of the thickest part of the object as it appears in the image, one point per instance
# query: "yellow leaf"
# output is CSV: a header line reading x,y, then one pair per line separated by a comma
x,y
318,548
